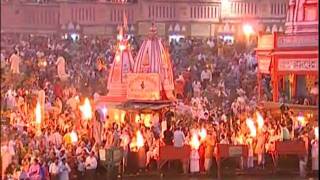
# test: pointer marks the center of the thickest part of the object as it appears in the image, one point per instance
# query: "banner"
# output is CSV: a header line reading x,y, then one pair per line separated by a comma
x,y
143,86
298,64
264,65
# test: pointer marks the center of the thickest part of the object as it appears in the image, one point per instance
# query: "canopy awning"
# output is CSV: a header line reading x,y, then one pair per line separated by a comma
x,y
136,105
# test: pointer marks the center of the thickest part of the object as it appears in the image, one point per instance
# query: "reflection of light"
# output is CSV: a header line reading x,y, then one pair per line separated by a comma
x,y
251,127
247,29
86,110
316,132
260,120
38,113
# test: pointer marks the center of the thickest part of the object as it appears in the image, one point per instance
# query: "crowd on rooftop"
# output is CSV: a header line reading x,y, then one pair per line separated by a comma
x,y
218,104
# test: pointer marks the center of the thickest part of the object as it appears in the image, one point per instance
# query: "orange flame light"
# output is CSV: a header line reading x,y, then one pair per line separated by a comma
x,y
38,113
86,110
74,137
137,142
203,134
194,143
260,120
252,128
301,120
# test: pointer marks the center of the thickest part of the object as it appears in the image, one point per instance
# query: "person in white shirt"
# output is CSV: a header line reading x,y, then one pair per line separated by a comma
x,y
54,170
206,77
64,170
15,63
91,165
178,138
315,155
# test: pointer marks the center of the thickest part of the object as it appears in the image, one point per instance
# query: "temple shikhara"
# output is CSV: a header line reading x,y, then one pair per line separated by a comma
x,y
290,59
141,83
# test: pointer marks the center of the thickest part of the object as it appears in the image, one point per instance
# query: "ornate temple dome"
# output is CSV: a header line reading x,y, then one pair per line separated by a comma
x,y
302,16
121,66
153,57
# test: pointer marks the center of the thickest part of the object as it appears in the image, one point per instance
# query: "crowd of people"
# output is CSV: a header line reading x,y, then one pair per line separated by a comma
x,y
218,103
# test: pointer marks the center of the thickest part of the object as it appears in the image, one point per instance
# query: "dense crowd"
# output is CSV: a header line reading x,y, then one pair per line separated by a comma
x,y
216,85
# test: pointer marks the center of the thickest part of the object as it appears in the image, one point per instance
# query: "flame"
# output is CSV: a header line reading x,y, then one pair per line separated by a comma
x,y
316,132
73,137
252,128
119,37
260,120
146,119
195,143
38,113
86,110
301,120
203,134
140,140
123,114
122,47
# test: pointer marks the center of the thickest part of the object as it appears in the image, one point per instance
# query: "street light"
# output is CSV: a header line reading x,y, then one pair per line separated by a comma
x,y
247,30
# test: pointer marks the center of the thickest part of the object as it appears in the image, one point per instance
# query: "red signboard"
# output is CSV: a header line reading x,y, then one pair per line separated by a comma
x,y
264,65
172,153
290,147
286,41
227,150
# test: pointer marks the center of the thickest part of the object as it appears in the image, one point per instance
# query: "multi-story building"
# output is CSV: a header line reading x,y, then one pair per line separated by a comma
x,y
202,18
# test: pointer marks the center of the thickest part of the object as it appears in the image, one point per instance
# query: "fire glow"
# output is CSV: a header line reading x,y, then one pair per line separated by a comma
x,y
301,120
203,134
260,120
38,113
252,128
138,142
86,110
195,141
74,137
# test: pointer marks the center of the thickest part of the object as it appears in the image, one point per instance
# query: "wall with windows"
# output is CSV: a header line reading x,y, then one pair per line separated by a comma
x,y
187,15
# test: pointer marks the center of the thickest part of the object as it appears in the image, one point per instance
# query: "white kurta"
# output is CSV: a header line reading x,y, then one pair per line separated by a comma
x,y
315,155
61,67
194,161
15,63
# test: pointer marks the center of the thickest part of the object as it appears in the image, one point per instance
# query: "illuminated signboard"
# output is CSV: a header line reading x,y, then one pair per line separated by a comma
x,y
297,41
298,65
142,86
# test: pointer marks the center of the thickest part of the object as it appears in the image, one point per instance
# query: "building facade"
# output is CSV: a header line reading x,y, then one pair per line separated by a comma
x,y
201,18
